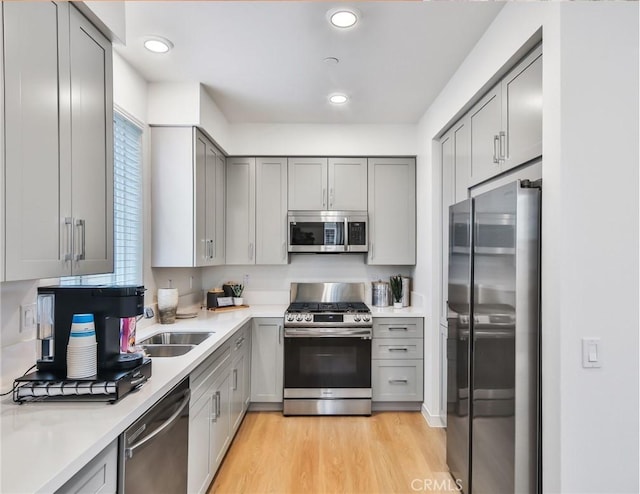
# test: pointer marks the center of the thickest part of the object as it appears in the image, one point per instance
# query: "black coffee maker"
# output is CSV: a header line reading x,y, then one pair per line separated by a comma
x,y
108,304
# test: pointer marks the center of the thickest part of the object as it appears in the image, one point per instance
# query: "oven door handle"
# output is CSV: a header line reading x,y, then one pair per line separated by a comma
x,y
334,333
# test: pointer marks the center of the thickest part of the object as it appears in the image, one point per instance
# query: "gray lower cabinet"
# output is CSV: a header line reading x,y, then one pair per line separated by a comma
x,y
267,360
220,389
59,188
397,380
240,374
100,475
397,366
209,418
455,148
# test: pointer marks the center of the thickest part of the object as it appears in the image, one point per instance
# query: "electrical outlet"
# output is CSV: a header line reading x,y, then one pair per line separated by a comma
x,y
28,319
245,280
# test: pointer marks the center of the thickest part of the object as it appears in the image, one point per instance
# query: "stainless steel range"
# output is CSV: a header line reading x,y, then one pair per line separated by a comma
x,y
327,350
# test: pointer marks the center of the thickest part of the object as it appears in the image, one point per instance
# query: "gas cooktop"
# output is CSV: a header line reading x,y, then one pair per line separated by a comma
x,y
335,307
327,305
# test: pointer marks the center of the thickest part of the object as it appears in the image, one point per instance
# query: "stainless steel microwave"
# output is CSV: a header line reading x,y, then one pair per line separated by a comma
x,y
328,231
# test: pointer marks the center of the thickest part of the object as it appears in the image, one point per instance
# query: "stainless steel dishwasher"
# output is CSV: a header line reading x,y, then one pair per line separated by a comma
x,y
153,451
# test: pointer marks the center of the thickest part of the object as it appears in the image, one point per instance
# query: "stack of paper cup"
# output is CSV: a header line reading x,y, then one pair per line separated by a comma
x,y
82,354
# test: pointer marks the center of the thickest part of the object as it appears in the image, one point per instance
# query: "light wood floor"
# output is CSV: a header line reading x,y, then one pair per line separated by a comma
x,y
389,452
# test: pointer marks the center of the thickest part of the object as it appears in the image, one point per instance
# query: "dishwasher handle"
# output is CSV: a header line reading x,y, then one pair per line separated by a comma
x,y
164,427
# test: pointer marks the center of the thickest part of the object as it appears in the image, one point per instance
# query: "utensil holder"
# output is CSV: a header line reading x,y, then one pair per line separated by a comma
x,y
167,305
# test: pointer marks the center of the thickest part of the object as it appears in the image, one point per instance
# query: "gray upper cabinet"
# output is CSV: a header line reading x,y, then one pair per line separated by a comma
x,y
58,191
218,241
337,184
392,211
485,122
256,211
522,111
241,211
189,232
307,184
506,124
455,162
271,211
347,184
91,147
210,185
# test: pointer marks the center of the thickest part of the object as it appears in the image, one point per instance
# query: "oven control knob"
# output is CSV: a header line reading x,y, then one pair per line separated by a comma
x,y
307,317
366,318
290,317
299,317
356,318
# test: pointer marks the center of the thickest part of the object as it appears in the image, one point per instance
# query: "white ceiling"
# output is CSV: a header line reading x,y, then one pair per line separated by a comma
x,y
263,61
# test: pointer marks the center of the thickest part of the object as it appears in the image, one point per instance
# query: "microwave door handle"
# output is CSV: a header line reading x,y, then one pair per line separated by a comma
x,y
346,235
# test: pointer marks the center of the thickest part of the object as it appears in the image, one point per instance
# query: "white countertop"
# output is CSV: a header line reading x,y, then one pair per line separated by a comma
x,y
45,444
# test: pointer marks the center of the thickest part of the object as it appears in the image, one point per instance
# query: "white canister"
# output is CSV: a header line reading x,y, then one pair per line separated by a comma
x,y
167,305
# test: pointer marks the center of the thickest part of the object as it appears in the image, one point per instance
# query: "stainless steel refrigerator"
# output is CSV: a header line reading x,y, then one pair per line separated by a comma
x,y
493,343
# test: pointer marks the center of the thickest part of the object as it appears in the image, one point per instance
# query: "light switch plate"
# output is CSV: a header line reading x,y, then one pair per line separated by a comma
x,y
591,352
28,318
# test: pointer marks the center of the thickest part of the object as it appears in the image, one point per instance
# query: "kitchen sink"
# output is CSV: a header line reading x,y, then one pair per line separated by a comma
x,y
174,350
176,338
172,344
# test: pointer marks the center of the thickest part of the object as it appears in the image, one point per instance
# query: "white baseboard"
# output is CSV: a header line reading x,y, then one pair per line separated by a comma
x,y
433,420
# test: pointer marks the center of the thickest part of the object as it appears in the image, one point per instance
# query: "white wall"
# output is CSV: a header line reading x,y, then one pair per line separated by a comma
x,y
599,246
322,140
133,95
109,17
590,235
187,103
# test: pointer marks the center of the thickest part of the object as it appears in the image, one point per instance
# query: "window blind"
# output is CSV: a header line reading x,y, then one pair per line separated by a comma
x,y
127,209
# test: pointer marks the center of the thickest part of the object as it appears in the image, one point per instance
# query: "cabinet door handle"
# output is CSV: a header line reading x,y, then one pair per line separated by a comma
x,y
398,328
371,251
80,225
331,197
239,342
399,381
251,251
503,145
68,225
280,334
235,379
496,151
214,415
217,404
324,198
284,250
403,349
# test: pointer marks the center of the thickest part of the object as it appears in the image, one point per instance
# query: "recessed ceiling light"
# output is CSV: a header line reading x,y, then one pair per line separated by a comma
x,y
157,44
331,60
343,18
338,98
